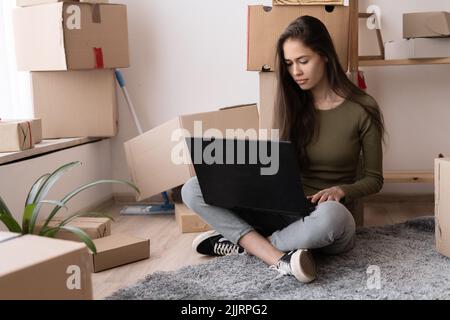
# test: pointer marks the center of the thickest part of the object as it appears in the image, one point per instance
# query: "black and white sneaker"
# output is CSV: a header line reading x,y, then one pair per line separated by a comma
x,y
299,264
214,244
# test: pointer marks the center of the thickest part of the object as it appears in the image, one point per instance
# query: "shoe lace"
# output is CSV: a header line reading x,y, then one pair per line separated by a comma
x,y
226,248
283,268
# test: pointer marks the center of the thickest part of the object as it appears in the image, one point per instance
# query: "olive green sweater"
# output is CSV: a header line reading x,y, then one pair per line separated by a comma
x,y
334,155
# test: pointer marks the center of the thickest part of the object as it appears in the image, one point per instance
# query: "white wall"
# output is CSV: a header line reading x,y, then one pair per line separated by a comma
x,y
16,179
190,56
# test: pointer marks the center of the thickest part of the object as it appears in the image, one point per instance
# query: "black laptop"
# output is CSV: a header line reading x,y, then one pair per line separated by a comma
x,y
243,174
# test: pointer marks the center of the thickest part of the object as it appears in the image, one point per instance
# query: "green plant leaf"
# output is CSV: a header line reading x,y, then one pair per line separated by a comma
x,y
55,203
28,213
10,222
44,189
4,208
83,188
35,189
7,219
82,236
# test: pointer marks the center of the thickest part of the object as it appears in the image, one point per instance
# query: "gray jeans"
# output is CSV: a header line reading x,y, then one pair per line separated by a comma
x,y
330,229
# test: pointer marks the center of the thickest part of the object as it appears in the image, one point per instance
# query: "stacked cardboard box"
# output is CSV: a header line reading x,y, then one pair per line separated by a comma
x,y
265,25
426,35
112,250
71,49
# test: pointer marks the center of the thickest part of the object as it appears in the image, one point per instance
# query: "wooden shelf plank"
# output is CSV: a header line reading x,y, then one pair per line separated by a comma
x,y
47,146
409,177
405,62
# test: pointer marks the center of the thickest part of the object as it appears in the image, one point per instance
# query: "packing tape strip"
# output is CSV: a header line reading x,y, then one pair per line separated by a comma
x,y
96,15
99,63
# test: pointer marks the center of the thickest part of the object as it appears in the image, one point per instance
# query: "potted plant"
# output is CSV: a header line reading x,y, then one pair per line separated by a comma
x,y
35,200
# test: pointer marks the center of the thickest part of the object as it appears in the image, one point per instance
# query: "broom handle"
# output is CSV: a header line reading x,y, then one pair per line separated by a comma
x,y
121,81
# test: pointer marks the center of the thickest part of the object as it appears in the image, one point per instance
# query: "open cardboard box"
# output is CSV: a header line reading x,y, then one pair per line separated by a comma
x,y
150,156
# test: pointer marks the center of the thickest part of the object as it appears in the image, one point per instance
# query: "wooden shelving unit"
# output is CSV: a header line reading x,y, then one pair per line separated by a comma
x,y
355,62
409,177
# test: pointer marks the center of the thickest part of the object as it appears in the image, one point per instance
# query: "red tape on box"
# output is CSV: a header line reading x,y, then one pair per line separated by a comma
x,y
98,52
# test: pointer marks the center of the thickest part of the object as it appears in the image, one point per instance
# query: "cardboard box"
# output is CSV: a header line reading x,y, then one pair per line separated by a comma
x,y
420,48
19,135
149,156
265,28
95,228
118,250
37,268
442,212
188,221
267,89
308,2
426,25
29,3
75,103
71,36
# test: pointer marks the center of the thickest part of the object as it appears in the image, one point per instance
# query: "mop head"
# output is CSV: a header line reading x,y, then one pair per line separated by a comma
x,y
146,210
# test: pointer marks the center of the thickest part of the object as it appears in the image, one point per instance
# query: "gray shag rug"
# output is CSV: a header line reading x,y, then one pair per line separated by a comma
x,y
396,262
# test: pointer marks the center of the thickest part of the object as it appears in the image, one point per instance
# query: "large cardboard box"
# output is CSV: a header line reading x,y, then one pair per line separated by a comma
x,y
37,268
95,228
29,3
188,221
71,36
267,91
420,48
19,135
442,212
150,156
426,25
266,26
75,103
118,250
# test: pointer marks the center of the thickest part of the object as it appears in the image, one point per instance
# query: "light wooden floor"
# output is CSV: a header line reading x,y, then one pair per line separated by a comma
x,y
171,250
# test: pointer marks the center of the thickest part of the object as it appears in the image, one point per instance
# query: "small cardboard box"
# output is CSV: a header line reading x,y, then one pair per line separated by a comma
x,y
19,135
118,250
71,36
75,103
150,156
266,26
37,268
426,25
29,3
188,221
95,228
442,211
420,48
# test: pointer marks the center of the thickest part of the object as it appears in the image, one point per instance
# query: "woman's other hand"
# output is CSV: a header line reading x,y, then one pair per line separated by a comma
x,y
332,194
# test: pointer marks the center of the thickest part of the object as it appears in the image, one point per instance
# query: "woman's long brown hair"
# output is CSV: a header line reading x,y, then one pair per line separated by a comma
x,y
295,112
